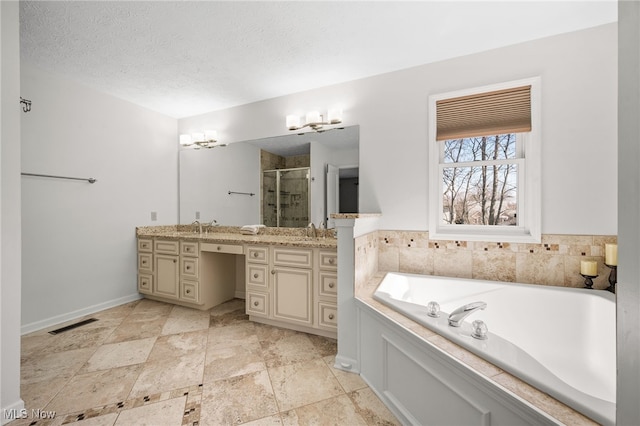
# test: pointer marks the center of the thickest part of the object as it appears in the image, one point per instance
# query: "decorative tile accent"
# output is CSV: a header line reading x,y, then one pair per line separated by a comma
x,y
555,261
194,392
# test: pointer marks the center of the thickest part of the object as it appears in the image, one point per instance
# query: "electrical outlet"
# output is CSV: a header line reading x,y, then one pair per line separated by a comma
x,y
197,215
154,216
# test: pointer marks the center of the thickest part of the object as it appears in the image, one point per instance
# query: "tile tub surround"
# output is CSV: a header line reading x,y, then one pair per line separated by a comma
x,y
380,251
189,367
555,261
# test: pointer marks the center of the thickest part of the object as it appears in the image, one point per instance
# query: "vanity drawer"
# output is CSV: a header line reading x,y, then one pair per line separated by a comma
x,y
222,248
328,284
189,248
189,267
145,245
257,254
189,291
258,303
329,260
166,246
257,275
145,262
327,315
302,258
145,283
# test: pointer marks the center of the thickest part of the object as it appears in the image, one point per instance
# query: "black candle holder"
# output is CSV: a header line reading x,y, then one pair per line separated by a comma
x,y
588,281
613,278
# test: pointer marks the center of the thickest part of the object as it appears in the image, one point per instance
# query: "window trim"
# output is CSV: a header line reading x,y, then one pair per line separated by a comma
x,y
529,197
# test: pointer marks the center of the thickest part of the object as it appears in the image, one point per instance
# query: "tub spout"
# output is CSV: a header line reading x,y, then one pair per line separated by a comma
x,y
456,317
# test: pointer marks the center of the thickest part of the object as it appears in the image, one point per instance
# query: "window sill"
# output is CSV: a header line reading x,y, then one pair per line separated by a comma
x,y
502,236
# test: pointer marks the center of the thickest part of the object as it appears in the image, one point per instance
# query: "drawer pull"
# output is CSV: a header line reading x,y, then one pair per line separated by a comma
x,y
273,272
331,260
144,262
331,316
256,303
144,246
255,275
331,285
219,248
174,261
255,254
188,291
188,267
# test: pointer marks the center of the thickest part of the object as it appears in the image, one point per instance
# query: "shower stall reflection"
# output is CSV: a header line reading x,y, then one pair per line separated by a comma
x,y
285,197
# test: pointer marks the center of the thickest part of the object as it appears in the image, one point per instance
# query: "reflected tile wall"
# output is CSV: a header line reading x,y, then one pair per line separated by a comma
x,y
555,261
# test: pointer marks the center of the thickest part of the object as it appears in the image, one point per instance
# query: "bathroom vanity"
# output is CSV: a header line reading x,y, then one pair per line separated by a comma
x,y
286,278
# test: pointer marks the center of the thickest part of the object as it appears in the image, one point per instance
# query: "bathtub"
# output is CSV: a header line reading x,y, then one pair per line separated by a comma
x,y
559,340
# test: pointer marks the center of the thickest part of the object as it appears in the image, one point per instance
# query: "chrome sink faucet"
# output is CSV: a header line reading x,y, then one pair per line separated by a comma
x,y
456,317
311,228
197,222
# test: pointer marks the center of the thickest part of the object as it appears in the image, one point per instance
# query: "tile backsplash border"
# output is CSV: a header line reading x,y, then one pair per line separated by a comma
x,y
555,261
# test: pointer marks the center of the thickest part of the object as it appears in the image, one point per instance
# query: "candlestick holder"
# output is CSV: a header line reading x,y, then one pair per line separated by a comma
x,y
613,277
588,281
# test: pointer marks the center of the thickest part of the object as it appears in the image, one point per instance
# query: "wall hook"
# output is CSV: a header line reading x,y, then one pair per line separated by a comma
x,y
26,104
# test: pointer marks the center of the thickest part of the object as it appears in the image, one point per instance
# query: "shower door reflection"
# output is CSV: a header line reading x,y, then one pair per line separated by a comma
x,y
285,197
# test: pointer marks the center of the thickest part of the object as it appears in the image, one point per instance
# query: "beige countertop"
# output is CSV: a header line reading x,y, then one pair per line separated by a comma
x,y
293,237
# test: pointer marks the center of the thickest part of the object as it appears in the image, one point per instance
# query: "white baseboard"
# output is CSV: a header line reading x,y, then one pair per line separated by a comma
x,y
12,412
48,322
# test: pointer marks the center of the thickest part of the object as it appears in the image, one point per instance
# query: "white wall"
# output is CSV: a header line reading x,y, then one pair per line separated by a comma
x,y
9,210
207,176
579,104
628,288
79,250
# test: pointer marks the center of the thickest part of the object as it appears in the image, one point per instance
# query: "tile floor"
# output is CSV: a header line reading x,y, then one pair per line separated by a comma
x,y
152,363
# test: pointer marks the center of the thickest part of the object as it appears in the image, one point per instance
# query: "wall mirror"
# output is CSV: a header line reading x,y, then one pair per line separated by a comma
x,y
238,184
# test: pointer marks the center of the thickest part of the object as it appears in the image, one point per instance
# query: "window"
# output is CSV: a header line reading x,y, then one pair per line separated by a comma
x,y
484,164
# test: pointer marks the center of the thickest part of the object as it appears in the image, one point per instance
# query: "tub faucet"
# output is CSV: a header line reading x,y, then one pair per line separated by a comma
x,y
456,317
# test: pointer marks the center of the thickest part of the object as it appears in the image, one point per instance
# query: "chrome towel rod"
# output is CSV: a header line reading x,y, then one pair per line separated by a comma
x,y
251,194
90,180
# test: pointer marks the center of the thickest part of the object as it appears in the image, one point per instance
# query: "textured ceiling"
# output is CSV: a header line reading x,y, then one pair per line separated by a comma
x,y
186,58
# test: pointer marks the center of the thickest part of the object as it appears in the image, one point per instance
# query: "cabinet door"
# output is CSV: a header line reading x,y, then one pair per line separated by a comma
x,y
167,274
293,295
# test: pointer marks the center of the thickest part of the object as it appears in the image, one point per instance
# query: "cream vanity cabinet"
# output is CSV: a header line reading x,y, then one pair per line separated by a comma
x,y
284,287
189,273
145,265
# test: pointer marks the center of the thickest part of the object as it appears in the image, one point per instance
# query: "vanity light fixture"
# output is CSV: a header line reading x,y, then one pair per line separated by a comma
x,y
315,120
201,140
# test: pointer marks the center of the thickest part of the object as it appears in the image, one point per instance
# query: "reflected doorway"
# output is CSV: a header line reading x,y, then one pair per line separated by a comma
x,y
341,191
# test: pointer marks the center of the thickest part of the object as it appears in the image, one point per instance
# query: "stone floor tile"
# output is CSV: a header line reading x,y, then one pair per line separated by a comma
x,y
169,413
95,389
348,381
246,398
113,355
334,411
371,408
230,361
303,383
182,320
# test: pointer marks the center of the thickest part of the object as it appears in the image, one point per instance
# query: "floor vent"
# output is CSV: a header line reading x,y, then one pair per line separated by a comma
x,y
72,326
